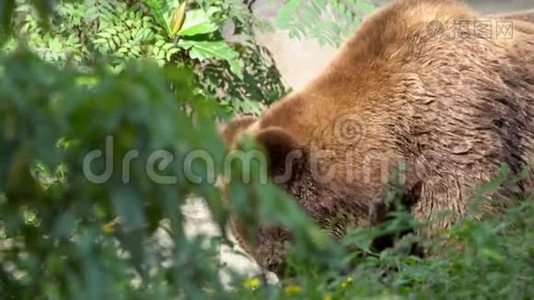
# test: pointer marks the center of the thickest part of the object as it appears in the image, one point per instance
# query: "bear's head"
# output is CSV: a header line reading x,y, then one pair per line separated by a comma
x,y
299,170
287,166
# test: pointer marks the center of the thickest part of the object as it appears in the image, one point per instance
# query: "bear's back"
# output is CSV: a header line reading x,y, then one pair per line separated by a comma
x,y
430,83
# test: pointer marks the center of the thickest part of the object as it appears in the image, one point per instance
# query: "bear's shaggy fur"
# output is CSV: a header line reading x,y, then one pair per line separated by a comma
x,y
428,84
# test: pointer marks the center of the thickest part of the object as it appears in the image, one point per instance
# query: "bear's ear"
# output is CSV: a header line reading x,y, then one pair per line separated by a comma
x,y
282,153
232,129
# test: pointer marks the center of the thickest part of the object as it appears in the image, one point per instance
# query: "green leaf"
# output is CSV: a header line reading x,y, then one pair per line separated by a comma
x,y
365,7
55,45
104,34
171,52
213,49
178,18
198,21
157,12
287,12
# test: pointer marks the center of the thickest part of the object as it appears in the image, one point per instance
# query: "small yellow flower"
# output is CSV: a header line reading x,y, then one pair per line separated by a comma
x,y
292,290
346,282
328,297
252,283
108,228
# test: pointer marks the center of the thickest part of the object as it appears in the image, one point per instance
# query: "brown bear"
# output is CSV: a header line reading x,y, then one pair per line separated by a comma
x,y
426,84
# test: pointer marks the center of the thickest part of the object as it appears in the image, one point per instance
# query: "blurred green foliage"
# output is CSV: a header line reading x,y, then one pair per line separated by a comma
x,y
143,76
330,22
64,236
